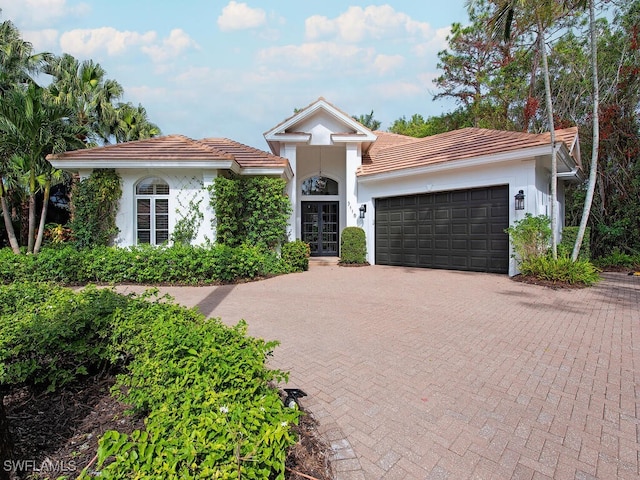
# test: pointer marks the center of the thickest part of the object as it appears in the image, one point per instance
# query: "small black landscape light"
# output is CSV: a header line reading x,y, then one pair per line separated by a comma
x,y
520,200
363,210
292,397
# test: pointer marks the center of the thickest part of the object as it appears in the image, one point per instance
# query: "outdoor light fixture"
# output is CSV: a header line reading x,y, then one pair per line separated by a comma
x,y
293,394
363,210
520,200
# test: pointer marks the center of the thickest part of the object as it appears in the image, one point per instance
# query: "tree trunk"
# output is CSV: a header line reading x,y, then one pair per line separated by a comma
x,y
32,223
552,131
593,174
6,445
43,217
8,224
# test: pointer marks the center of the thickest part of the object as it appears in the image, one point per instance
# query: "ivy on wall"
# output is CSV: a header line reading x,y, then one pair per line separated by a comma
x,y
94,205
253,210
188,224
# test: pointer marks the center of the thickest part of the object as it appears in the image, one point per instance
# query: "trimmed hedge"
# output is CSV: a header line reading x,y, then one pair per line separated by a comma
x,y
145,264
203,387
353,246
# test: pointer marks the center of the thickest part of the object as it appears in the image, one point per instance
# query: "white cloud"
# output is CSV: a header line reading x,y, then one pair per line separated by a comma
x,y
172,46
386,63
34,13
358,24
239,16
437,43
321,56
86,42
42,40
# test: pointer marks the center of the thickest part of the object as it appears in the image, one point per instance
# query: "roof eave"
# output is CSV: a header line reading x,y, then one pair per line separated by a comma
x,y
83,164
519,155
282,172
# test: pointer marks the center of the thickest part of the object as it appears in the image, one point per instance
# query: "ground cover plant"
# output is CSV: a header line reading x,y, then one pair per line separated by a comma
x,y
201,387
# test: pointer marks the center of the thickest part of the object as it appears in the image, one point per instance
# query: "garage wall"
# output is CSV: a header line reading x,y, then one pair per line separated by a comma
x,y
518,175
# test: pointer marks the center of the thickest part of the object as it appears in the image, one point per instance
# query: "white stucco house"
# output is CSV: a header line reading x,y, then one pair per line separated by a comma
x,y
439,202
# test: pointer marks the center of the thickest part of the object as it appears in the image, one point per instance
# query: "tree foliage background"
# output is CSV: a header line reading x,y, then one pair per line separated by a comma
x,y
498,84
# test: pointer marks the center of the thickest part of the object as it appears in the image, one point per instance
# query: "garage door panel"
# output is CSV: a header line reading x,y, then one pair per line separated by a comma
x,y
462,230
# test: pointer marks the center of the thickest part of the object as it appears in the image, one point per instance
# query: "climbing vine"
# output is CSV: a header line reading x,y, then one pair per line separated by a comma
x,y
188,224
94,205
252,210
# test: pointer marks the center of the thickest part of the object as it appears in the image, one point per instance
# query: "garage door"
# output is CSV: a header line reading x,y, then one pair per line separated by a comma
x,y
456,230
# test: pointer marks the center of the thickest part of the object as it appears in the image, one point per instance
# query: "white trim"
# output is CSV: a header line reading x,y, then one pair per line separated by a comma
x,y
283,172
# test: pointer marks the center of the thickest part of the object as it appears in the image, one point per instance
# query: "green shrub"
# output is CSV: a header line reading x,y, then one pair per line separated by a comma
x,y
569,235
530,236
296,255
50,336
618,259
146,264
353,246
203,387
562,269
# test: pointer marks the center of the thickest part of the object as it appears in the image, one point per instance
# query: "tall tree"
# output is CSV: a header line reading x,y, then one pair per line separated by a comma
x,y
542,15
593,174
131,123
84,88
31,127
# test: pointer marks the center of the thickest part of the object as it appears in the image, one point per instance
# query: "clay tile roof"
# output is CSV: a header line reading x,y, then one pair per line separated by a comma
x,y
171,147
245,156
397,152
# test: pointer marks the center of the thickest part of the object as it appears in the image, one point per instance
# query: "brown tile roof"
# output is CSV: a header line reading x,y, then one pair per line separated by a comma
x,y
397,152
179,147
245,156
171,147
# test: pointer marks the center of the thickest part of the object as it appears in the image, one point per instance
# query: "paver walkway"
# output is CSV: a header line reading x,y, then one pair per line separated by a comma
x,y
427,374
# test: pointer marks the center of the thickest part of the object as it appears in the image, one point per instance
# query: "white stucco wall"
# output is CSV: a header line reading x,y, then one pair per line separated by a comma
x,y
184,186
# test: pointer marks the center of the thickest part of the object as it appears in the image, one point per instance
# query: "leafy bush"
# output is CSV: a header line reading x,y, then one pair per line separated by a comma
x,y
353,246
569,235
203,387
49,336
618,259
530,236
146,264
561,269
296,255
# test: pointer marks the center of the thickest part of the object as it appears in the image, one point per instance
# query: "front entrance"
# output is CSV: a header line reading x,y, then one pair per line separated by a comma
x,y
320,228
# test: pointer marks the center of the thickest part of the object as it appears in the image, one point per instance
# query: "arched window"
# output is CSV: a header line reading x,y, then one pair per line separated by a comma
x,y
319,186
152,211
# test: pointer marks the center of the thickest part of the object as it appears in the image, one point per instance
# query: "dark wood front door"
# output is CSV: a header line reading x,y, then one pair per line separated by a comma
x,y
320,228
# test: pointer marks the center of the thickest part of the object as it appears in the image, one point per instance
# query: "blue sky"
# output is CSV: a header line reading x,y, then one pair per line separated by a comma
x,y
237,68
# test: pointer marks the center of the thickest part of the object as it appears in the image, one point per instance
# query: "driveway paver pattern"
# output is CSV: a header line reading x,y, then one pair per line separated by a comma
x,y
429,374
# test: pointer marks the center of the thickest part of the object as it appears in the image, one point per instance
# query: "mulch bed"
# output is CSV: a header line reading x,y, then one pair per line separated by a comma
x,y
57,433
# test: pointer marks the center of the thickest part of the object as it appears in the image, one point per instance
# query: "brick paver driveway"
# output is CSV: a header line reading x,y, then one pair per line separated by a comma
x,y
427,374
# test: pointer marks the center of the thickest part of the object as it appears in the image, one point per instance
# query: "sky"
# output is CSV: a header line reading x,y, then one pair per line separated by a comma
x,y
235,69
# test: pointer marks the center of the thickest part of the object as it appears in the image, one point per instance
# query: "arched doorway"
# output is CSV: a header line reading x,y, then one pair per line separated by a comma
x,y
320,218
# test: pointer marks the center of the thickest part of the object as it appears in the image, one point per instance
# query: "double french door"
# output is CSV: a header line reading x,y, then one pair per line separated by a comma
x,y
320,228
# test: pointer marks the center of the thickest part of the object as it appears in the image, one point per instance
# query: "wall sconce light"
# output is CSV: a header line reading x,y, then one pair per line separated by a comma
x,y
363,210
520,200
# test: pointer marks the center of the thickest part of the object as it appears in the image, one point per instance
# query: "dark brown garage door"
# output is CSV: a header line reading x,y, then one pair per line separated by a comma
x,y
456,230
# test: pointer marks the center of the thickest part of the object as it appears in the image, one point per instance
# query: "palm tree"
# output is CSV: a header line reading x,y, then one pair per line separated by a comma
x,y
84,88
32,126
132,123
542,14
593,173
17,64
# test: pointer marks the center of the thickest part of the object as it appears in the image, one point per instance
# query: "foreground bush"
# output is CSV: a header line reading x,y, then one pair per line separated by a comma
x,y
561,270
203,387
179,264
